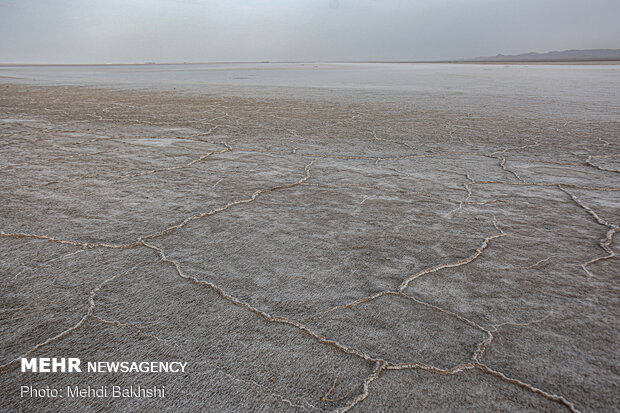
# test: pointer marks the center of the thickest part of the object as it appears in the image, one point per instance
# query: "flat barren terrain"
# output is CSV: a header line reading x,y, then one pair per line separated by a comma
x,y
312,253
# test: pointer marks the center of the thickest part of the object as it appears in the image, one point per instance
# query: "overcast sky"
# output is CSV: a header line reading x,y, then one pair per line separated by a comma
x,y
124,31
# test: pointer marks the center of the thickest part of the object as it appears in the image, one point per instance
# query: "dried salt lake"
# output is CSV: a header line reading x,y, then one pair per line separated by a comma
x,y
363,237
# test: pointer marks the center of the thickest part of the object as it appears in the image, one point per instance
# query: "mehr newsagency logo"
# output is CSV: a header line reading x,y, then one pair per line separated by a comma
x,y
73,365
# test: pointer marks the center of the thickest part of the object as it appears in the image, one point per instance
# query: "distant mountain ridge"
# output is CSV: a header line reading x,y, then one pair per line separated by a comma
x,y
565,55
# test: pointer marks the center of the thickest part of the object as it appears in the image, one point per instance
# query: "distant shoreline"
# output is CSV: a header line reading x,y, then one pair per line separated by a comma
x,y
502,62
470,62
541,62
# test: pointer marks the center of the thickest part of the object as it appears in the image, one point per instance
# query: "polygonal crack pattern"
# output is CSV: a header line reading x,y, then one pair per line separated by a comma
x,y
309,254
399,330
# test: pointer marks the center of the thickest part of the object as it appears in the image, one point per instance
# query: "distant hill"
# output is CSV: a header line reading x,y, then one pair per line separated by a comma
x,y
566,55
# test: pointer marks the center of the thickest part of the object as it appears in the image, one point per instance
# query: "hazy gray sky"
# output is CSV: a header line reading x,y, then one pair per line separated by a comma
x,y
102,31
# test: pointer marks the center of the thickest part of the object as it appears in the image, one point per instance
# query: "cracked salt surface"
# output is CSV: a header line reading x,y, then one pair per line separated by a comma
x,y
308,254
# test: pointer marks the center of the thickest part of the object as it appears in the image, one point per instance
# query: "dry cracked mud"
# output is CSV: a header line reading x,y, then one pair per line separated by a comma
x,y
309,254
